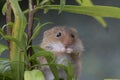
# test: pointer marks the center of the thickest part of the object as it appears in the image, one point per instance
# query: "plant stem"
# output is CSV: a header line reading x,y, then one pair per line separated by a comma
x,y
8,19
30,27
16,52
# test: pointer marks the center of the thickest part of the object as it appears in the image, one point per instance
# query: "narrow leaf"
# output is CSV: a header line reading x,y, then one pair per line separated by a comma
x,y
101,20
2,33
4,9
62,4
37,48
13,39
44,2
50,59
24,41
36,31
89,3
70,71
4,65
41,53
37,2
3,48
79,1
10,38
46,10
102,11
10,24
53,67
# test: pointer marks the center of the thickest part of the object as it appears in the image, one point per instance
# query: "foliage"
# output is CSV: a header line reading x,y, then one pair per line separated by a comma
x,y
22,53
33,75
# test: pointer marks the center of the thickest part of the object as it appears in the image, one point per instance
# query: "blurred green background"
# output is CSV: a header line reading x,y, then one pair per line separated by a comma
x,y
102,47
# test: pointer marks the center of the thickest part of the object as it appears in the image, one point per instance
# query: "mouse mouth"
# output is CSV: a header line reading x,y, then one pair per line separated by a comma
x,y
68,46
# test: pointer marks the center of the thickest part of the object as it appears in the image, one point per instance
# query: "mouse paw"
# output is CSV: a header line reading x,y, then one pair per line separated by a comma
x,y
69,50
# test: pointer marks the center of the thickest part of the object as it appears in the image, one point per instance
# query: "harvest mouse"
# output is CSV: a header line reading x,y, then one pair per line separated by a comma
x,y
65,44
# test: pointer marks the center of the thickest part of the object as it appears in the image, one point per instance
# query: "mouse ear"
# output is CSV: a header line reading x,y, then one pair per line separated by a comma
x,y
47,32
74,31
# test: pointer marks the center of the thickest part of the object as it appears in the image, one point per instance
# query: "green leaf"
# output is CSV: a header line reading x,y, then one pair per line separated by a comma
x,y
2,33
79,1
50,59
89,3
37,19
62,4
24,41
101,20
14,40
11,38
34,75
36,31
46,10
37,2
44,2
102,11
70,72
3,48
4,65
53,67
4,9
41,53
10,25
38,48
5,73
86,3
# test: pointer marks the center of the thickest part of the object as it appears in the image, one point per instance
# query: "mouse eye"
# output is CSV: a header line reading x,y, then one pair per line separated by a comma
x,y
58,34
72,35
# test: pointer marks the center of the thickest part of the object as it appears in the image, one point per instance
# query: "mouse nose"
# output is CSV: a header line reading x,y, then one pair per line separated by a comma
x,y
67,43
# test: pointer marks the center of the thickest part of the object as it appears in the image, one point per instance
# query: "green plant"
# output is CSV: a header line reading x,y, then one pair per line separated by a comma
x,y
22,53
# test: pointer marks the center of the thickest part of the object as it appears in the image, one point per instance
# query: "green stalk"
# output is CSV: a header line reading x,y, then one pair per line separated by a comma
x,y
17,52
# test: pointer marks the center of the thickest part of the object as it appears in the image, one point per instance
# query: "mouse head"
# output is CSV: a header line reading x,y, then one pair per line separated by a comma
x,y
66,36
